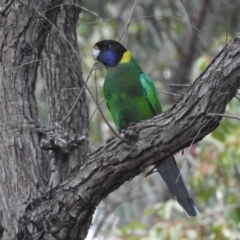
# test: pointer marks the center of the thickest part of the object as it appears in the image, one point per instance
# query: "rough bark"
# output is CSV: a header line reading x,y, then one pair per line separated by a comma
x,y
62,77
67,213
23,164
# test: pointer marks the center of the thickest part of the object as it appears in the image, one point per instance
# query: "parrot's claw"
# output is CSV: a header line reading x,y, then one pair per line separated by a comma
x,y
129,134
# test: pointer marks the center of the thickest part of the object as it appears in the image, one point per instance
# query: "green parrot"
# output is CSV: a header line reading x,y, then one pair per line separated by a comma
x,y
131,97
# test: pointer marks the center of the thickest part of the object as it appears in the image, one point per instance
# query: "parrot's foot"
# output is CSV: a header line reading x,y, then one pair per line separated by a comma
x,y
129,134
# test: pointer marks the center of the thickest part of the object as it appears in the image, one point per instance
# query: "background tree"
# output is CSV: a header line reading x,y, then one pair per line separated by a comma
x,y
43,33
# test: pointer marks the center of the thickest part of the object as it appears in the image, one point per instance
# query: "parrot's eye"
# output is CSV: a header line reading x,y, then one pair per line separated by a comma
x,y
107,45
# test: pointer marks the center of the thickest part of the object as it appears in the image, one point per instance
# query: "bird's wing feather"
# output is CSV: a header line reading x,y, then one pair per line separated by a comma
x,y
150,93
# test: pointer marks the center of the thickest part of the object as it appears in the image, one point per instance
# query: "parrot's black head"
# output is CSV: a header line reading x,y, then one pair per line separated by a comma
x,y
108,52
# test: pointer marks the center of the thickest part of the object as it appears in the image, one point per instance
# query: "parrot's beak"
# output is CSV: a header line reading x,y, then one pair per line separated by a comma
x,y
95,52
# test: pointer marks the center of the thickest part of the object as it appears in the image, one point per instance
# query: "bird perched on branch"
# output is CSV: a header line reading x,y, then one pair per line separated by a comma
x,y
131,97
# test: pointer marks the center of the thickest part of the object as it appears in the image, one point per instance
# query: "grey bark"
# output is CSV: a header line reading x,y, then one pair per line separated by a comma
x,y
23,164
27,212
62,77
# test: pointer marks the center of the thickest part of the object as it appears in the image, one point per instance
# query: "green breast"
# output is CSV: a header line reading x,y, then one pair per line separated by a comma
x,y
124,95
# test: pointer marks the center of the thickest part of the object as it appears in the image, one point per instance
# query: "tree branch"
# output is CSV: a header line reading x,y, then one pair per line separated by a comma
x,y
68,212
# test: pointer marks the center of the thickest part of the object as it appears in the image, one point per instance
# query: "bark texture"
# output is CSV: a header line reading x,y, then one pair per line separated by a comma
x,y
62,77
67,213
23,164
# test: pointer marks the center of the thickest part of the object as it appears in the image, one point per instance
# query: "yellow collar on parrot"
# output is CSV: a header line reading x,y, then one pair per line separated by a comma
x,y
127,56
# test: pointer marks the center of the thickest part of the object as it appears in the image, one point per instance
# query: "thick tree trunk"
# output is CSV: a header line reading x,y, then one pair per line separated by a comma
x,y
23,164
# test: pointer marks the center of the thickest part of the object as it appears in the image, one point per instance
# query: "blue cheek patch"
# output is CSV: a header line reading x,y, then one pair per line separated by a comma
x,y
109,58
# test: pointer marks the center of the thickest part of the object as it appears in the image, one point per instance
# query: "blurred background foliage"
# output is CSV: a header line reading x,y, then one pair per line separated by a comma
x,y
173,41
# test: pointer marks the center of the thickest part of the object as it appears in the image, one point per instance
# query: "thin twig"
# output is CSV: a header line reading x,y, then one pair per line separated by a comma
x,y
173,94
71,88
96,143
80,93
45,130
129,21
176,18
34,61
190,20
223,115
94,22
95,110
179,85
77,88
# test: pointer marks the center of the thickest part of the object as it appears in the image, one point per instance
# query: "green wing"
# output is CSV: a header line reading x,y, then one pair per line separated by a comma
x,y
150,93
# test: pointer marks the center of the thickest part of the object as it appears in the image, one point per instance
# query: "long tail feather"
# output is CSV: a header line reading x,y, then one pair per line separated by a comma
x,y
171,175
